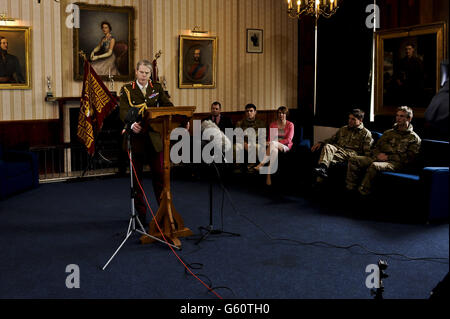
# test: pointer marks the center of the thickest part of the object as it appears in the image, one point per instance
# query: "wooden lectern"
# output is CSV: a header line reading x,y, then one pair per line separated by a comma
x,y
168,219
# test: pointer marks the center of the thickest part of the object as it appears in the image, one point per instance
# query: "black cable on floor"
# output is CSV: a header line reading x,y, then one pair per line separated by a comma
x,y
324,244
199,266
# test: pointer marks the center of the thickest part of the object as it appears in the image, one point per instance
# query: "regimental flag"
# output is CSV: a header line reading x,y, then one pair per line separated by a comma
x,y
96,104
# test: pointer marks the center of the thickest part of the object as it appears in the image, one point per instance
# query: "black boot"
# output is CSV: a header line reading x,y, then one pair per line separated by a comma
x,y
321,170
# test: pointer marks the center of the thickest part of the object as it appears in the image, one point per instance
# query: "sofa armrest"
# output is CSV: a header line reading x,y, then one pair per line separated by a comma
x,y
436,180
306,143
16,156
24,156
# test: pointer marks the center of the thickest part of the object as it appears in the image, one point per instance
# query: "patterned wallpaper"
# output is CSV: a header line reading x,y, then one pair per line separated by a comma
x,y
268,80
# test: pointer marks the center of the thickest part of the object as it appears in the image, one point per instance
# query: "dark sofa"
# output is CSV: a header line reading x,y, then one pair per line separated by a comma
x,y
422,190
18,171
419,194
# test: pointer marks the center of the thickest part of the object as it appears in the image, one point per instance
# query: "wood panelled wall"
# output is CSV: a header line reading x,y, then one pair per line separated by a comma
x,y
267,80
412,12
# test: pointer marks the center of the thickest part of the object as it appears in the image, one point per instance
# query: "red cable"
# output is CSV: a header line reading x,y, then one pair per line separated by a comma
x,y
159,229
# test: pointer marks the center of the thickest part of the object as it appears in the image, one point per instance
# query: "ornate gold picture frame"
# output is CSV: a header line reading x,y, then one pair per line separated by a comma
x,y
408,67
90,38
15,62
197,62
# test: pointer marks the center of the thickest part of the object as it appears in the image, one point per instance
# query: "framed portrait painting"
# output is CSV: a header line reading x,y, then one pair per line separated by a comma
x,y
15,57
408,67
106,36
197,62
255,41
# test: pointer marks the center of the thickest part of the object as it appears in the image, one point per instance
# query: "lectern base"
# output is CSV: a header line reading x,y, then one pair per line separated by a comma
x,y
172,238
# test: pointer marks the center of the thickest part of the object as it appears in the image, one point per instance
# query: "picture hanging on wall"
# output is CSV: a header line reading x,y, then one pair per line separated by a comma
x,y
255,41
15,57
106,36
197,62
408,67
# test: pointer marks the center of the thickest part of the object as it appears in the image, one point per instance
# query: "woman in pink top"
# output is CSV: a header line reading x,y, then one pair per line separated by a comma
x,y
281,133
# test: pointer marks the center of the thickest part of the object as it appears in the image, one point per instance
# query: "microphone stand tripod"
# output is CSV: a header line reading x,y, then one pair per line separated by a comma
x,y
210,228
132,227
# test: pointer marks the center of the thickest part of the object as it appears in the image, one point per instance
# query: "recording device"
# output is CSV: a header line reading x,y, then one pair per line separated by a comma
x,y
221,143
216,136
378,292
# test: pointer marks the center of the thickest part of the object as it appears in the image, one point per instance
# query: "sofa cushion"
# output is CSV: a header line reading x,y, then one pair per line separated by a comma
x,y
376,136
18,171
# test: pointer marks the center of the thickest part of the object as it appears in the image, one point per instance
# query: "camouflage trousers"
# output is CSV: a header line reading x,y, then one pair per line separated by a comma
x,y
334,154
242,156
359,165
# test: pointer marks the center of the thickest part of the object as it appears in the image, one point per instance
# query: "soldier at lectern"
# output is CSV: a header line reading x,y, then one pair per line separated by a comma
x,y
146,143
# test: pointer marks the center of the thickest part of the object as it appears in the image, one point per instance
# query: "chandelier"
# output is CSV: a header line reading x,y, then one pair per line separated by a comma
x,y
316,8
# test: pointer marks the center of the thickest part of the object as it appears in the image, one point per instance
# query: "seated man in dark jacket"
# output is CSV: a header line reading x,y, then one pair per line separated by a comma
x,y
219,119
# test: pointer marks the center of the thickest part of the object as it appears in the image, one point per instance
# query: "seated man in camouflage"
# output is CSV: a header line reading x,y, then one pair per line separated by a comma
x,y
350,140
249,122
395,150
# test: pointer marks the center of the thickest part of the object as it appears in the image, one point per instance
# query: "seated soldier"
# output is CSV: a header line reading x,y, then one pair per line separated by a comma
x,y
350,140
251,141
395,150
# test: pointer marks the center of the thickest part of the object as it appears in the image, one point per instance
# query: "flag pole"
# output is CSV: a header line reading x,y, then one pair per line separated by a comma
x,y
83,55
92,115
90,156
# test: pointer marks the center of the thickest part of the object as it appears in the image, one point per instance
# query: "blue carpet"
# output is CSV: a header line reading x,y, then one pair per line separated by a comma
x,y
46,229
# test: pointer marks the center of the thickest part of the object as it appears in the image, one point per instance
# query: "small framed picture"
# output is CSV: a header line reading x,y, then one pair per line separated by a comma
x,y
255,41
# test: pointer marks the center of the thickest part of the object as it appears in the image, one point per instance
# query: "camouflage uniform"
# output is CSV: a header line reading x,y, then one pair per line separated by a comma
x,y
401,147
245,124
256,124
347,142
